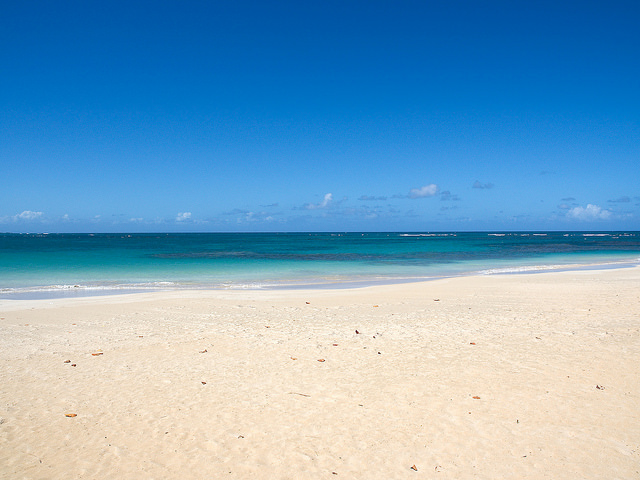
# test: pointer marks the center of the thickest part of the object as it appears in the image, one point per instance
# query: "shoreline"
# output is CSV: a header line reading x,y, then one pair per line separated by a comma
x,y
491,376
51,292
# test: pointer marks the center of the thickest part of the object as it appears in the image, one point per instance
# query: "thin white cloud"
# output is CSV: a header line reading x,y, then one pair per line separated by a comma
x,y
28,215
237,211
590,212
366,198
623,199
183,217
326,201
482,186
422,192
447,196
245,216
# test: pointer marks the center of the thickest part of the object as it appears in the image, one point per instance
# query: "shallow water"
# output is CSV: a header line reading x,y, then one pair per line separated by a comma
x,y
90,264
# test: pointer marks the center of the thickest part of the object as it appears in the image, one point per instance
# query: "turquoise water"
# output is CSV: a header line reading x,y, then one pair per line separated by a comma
x,y
94,263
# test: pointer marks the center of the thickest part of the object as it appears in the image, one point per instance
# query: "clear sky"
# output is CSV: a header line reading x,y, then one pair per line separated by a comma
x,y
369,115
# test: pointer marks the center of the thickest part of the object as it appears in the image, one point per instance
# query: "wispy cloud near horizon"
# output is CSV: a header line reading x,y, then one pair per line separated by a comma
x,y
326,201
25,216
423,192
623,199
589,213
482,186
371,198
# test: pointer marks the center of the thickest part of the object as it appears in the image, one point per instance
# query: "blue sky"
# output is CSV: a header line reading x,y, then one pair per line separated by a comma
x,y
309,116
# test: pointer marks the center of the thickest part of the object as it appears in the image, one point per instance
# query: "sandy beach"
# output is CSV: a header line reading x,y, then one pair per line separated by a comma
x,y
505,376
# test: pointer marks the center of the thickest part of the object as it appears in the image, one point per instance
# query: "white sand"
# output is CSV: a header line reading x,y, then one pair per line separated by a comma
x,y
228,384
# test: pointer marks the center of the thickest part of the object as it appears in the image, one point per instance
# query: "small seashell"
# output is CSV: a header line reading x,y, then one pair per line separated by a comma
x,y
204,351
67,361
472,343
414,468
321,359
96,354
70,415
476,397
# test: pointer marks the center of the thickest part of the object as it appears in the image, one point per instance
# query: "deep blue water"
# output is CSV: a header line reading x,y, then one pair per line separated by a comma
x,y
94,263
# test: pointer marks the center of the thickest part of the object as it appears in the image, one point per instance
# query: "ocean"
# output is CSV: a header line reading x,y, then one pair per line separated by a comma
x,y
50,265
